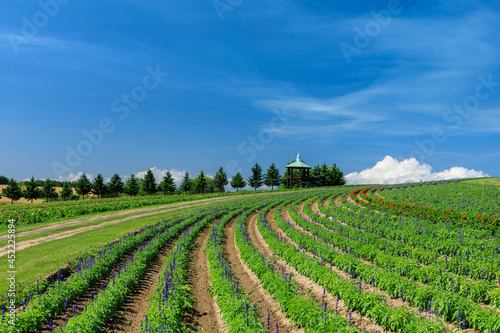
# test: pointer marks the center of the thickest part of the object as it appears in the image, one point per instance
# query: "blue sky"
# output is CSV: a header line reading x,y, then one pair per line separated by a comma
x,y
196,85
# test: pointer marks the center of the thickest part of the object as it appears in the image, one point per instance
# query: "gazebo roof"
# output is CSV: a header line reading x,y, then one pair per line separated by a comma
x,y
298,164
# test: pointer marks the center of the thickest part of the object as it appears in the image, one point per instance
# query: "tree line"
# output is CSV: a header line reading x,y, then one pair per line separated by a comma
x,y
45,189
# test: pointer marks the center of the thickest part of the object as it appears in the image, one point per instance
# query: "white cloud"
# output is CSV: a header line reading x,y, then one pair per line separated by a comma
x,y
392,171
73,177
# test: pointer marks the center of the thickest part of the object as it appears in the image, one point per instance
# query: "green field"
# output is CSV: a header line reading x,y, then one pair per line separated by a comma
x,y
405,258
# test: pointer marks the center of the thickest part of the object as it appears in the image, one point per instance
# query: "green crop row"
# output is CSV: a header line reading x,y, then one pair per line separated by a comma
x,y
445,303
305,313
367,303
43,306
171,299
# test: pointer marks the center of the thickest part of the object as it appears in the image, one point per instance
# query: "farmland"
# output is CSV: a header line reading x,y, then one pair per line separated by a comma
x,y
399,258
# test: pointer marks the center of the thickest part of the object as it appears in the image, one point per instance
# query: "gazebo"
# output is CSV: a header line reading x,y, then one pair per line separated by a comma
x,y
302,175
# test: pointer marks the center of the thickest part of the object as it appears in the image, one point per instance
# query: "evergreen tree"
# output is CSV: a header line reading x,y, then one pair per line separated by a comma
x,y
31,190
132,186
98,187
220,180
67,191
201,182
4,180
210,188
115,185
238,181
83,186
149,184
48,191
325,175
13,191
317,179
167,186
186,183
256,179
336,176
272,177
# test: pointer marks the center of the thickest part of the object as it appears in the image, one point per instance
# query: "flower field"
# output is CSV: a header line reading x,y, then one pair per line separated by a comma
x,y
376,259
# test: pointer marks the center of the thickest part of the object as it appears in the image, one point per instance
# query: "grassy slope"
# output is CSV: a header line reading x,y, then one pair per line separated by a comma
x,y
37,261
484,181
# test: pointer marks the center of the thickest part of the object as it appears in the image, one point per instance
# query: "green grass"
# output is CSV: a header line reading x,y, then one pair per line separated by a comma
x,y
31,227
177,211
484,181
37,261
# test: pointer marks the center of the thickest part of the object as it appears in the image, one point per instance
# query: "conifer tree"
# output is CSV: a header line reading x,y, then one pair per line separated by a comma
x,y
83,186
186,185
67,191
167,185
220,180
256,179
31,190
115,185
272,177
48,191
201,182
98,187
13,191
238,181
149,184
132,186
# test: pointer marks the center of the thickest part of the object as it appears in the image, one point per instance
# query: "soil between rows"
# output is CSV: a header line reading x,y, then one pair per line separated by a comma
x,y
251,284
204,315
129,317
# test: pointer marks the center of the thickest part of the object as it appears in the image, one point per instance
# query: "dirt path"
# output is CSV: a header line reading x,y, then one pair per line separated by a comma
x,y
25,244
317,290
337,202
250,283
118,214
348,198
204,314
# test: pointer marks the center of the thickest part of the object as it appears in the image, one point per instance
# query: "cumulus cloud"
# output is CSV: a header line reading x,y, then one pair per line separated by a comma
x,y
392,171
73,177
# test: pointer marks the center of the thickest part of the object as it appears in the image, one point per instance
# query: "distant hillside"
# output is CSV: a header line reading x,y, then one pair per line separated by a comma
x,y
484,181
